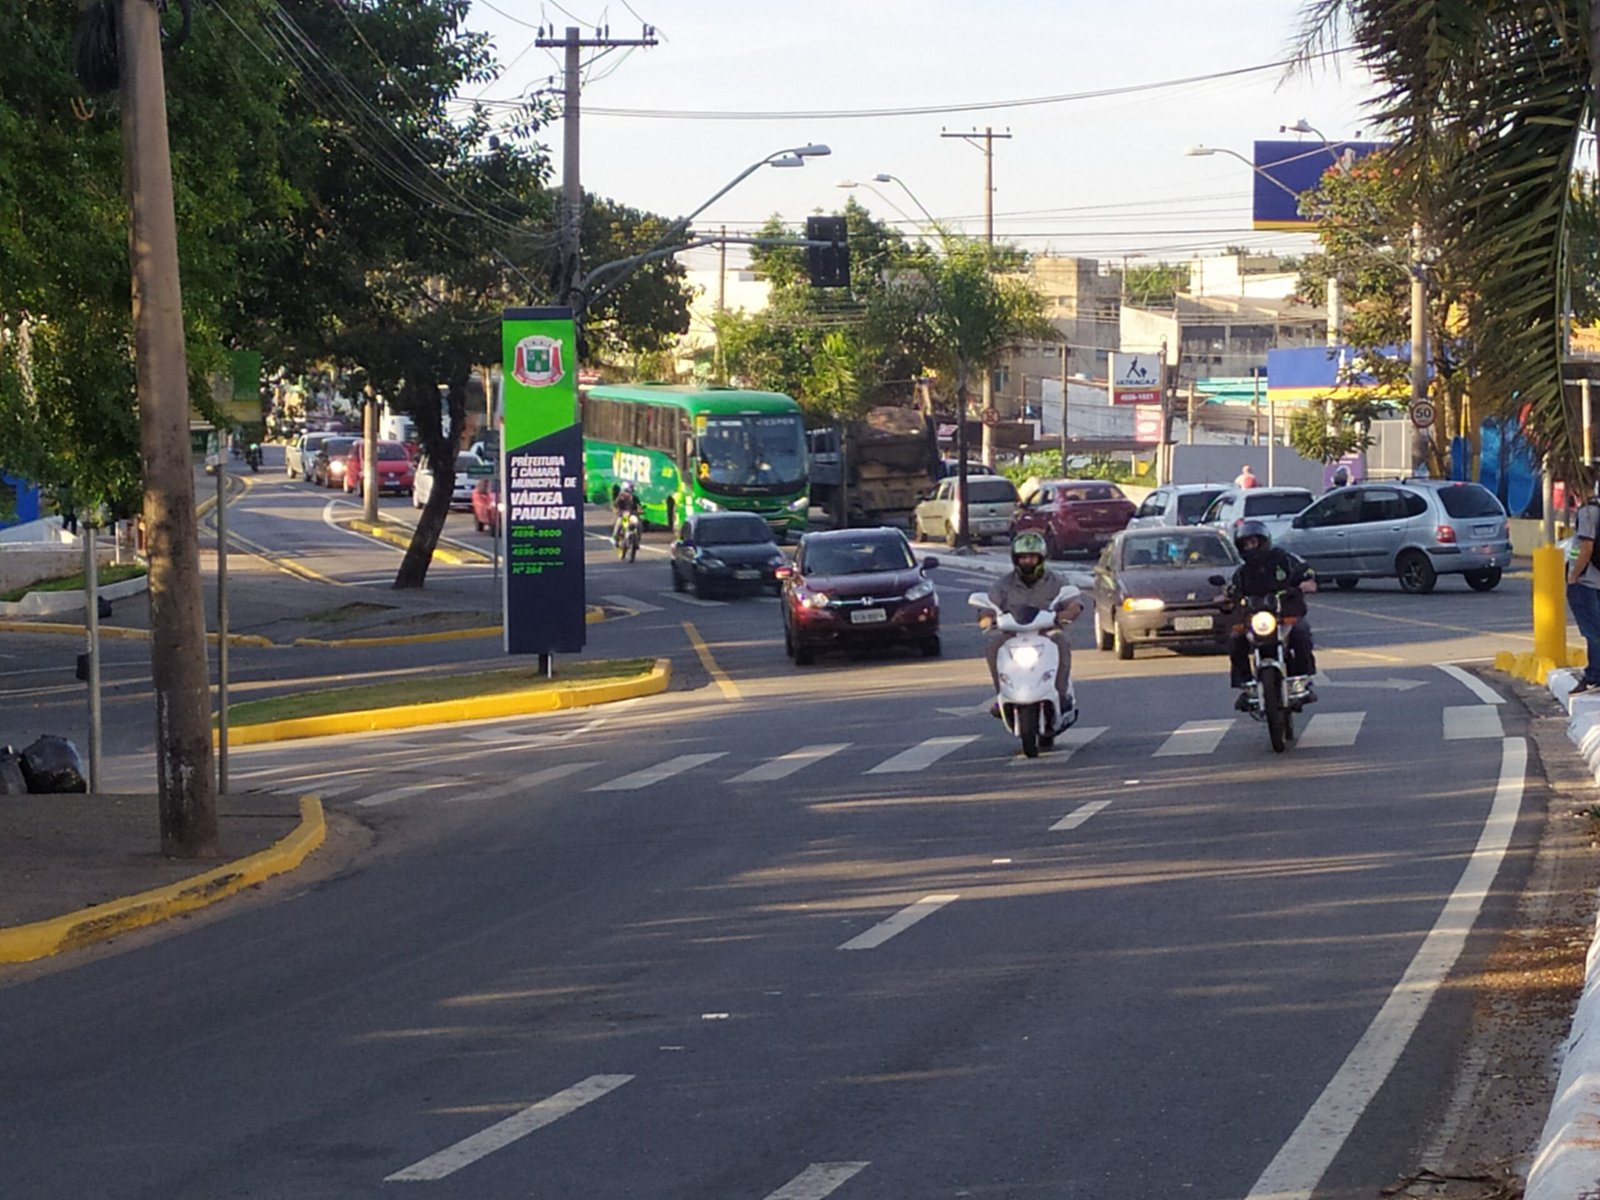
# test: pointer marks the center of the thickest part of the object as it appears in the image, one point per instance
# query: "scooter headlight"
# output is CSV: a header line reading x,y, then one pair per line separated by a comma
x,y
1263,624
1026,657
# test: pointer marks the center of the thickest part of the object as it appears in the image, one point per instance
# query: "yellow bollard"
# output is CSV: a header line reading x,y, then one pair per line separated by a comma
x,y
1550,604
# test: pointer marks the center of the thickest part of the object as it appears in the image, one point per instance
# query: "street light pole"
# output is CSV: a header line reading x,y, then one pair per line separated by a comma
x,y
987,386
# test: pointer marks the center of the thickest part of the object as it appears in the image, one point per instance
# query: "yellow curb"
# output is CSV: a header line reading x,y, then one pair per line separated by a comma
x,y
440,551
106,631
25,943
440,712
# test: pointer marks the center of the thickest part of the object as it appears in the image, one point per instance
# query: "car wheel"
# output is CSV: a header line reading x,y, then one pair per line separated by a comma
x,y
1051,550
700,589
949,535
1119,643
1102,636
932,647
804,656
677,580
918,533
1347,583
1416,573
1483,581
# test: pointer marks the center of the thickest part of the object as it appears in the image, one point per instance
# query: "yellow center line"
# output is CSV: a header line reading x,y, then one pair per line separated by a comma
x,y
730,690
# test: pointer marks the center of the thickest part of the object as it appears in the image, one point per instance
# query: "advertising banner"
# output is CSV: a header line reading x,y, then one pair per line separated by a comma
x,y
1283,170
541,477
1135,378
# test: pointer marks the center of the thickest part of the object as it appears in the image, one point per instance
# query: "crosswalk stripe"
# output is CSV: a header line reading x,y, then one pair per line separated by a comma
x,y
818,1180
655,774
638,606
1194,737
787,764
871,939
1331,729
526,783
921,756
518,1125
1078,816
1073,739
411,789
1463,721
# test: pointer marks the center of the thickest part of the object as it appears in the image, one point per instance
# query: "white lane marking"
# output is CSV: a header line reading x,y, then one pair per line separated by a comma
x,y
1066,743
655,774
903,920
1331,729
1194,737
1473,684
786,765
526,782
410,789
695,600
518,1125
1464,721
1295,1171
638,606
968,710
545,739
1079,815
922,755
817,1180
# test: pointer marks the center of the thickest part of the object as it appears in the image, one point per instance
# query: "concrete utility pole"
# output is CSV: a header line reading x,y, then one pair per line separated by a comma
x,y
571,42
186,785
1419,339
987,385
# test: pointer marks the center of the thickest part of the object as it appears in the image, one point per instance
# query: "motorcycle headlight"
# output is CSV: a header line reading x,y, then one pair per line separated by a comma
x,y
1142,604
1263,624
1026,657
920,589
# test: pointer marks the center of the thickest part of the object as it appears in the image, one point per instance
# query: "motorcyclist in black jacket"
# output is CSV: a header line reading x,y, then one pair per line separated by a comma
x,y
1267,569
624,504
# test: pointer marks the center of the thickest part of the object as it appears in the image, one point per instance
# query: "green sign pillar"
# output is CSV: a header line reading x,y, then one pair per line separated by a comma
x,y
541,474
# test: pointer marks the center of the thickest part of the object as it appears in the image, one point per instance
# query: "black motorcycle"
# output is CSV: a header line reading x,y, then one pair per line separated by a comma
x,y
252,455
1272,695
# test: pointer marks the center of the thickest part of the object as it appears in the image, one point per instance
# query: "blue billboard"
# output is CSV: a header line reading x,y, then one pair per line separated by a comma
x,y
1283,170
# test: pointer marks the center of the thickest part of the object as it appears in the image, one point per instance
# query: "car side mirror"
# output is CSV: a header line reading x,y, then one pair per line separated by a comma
x,y
1299,521
929,563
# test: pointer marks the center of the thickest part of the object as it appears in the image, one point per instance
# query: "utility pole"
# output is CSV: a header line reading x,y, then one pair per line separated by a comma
x,y
1419,339
178,668
987,386
722,297
1066,356
572,41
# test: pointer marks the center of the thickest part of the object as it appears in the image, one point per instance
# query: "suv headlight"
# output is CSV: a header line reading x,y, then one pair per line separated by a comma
x,y
918,590
815,599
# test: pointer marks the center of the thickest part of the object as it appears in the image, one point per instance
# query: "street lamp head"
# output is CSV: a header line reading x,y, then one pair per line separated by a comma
x,y
1198,151
1300,126
786,160
847,183
883,177
814,150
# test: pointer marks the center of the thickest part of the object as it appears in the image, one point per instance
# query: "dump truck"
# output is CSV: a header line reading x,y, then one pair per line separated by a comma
x,y
873,470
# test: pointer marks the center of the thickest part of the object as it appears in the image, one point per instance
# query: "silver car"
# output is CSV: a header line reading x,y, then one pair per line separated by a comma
x,y
1413,531
992,499
298,454
1274,507
1177,504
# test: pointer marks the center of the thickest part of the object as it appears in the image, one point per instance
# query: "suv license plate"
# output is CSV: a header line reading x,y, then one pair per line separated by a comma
x,y
747,574
868,616
1191,624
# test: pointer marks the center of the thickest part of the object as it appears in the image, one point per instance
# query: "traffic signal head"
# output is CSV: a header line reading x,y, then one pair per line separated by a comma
x,y
828,255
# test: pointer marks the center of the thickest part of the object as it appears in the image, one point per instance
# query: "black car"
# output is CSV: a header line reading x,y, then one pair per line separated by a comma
x,y
727,551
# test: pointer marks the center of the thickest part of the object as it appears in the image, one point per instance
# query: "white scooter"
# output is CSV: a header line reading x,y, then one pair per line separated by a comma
x,y
1027,665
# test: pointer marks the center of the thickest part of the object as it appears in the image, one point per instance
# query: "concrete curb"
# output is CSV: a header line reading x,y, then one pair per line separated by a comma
x,y
507,704
39,603
123,632
1567,1165
25,943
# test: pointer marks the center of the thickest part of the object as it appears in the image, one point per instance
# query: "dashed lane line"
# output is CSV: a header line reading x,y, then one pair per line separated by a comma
x,y
1079,815
871,939
1470,721
818,1180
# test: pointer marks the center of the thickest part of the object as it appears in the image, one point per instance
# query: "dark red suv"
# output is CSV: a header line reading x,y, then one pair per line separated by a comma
x,y
1073,514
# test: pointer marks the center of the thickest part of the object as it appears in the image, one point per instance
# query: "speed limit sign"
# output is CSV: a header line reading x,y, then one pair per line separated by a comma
x,y
991,416
1422,414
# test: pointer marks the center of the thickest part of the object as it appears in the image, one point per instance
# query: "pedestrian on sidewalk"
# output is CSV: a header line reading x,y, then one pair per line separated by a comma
x,y
1583,589
1246,478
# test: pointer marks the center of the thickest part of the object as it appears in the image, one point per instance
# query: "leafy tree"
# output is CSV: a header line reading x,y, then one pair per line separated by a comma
x,y
1154,285
1491,98
650,309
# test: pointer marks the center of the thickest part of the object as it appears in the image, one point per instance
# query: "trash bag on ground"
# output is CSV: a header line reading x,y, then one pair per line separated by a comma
x,y
52,764
12,780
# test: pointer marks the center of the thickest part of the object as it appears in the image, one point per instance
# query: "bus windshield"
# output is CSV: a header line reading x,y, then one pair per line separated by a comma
x,y
749,453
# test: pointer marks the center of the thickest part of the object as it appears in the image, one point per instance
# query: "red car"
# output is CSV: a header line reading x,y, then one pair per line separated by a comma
x,y
486,504
394,468
1074,514
854,588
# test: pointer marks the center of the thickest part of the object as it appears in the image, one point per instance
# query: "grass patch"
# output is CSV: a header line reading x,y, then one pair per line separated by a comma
x,y
112,573
428,689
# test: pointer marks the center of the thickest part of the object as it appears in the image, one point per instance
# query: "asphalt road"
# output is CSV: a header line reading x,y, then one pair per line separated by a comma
x,y
792,933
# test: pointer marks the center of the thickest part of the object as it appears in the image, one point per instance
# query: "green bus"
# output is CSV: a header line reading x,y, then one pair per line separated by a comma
x,y
692,449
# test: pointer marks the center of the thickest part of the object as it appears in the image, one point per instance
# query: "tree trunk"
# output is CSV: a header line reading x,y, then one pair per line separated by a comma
x,y
441,451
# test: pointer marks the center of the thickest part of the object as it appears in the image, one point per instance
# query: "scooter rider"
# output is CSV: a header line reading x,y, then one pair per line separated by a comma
x,y
624,504
1267,569
1030,585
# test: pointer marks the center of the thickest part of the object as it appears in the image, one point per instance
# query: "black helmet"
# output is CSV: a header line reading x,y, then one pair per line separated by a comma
x,y
1025,545
1256,534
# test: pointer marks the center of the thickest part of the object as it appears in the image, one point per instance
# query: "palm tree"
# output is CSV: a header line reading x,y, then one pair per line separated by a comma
x,y
1490,97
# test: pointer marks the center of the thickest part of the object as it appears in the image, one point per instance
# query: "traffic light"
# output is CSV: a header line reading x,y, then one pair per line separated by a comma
x,y
828,264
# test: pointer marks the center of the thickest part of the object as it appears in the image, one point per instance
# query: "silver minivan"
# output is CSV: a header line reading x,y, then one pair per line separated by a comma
x,y
992,499
1413,531
1274,507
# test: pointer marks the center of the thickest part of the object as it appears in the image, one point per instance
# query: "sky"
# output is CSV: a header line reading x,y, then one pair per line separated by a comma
x,y
1101,177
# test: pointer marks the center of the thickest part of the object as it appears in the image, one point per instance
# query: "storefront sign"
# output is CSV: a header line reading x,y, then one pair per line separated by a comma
x,y
1135,379
542,474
